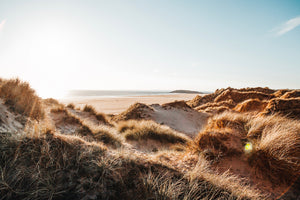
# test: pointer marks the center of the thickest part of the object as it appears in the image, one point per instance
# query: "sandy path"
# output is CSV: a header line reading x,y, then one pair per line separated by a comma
x,y
116,105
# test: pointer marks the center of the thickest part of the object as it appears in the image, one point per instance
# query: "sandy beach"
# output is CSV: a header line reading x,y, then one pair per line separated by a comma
x,y
116,105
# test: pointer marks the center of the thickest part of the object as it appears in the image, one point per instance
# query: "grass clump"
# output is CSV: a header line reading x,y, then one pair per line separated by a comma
x,y
275,142
51,101
21,98
71,105
59,109
277,147
99,116
90,109
84,129
107,137
143,130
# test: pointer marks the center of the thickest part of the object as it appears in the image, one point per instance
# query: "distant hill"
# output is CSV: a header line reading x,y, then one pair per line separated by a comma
x,y
187,92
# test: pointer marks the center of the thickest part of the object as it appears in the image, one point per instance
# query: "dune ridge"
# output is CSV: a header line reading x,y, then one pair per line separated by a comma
x,y
230,144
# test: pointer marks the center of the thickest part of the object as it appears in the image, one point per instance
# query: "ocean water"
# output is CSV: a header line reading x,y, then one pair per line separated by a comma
x,y
112,93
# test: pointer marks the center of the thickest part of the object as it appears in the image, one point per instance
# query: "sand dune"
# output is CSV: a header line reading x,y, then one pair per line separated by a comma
x,y
231,144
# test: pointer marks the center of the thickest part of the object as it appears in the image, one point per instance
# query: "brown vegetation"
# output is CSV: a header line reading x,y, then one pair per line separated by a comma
x,y
67,119
71,105
176,104
144,130
238,96
68,155
263,100
291,94
136,111
275,140
21,98
50,101
289,107
68,167
251,105
99,116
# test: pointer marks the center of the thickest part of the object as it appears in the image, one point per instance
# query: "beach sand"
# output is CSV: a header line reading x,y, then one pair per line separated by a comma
x,y
116,105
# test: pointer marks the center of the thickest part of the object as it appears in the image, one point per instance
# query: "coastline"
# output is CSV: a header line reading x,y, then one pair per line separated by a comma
x,y
116,105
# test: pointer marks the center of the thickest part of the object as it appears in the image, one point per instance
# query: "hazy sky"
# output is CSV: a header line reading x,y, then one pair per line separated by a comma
x,y
150,45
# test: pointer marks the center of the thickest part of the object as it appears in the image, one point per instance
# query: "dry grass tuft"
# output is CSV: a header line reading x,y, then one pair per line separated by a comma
x,y
291,94
136,111
21,98
143,130
238,187
99,116
289,107
275,140
99,133
51,101
251,105
277,147
238,96
71,105
59,109
90,109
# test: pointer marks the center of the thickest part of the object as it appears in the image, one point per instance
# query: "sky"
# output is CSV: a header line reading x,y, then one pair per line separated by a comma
x,y
58,45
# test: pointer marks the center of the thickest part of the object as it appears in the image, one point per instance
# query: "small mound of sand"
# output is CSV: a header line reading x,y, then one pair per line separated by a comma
x,y
8,122
176,115
186,120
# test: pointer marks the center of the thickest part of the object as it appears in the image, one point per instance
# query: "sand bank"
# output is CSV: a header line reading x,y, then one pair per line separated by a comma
x,y
116,105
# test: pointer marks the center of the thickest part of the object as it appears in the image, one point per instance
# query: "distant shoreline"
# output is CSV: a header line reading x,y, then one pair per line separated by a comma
x,y
116,105
186,92
123,93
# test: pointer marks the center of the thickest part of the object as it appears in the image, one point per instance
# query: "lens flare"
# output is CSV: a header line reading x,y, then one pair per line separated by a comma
x,y
248,147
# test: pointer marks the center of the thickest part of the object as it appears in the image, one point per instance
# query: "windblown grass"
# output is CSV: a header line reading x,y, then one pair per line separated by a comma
x,y
276,147
58,166
71,105
99,116
275,140
143,130
51,101
99,133
21,98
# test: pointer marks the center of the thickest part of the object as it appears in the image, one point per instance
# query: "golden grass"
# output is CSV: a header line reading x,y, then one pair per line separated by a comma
x,y
238,186
55,166
136,111
251,105
144,129
51,101
99,116
21,98
275,140
71,105
104,135
276,147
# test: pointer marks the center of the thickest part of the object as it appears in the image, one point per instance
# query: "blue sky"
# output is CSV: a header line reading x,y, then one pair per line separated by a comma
x,y
150,45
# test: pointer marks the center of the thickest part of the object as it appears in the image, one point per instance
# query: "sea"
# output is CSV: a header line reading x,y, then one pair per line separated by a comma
x,y
112,93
